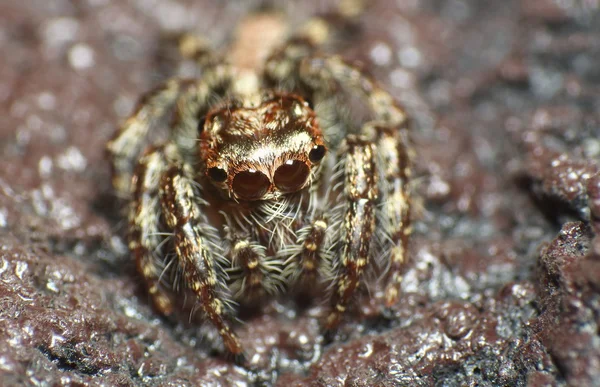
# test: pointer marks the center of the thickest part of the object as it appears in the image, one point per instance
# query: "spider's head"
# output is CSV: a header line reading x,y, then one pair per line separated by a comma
x,y
259,150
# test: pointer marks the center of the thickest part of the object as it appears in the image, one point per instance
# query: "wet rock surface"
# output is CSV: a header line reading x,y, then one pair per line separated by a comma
x,y
504,283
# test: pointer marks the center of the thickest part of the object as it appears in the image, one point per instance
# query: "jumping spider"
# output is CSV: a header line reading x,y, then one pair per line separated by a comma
x,y
261,187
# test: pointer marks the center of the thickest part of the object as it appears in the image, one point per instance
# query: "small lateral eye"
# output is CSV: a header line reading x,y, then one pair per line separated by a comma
x,y
291,176
250,185
317,153
217,174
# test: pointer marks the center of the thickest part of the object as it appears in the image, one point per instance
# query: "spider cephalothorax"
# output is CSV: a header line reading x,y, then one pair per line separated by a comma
x,y
259,150
256,193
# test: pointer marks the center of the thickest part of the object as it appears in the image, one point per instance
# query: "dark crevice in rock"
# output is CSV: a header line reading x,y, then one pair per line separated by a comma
x,y
67,358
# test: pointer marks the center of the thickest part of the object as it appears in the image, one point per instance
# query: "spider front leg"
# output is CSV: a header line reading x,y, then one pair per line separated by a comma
x,y
132,136
361,193
197,249
144,220
394,162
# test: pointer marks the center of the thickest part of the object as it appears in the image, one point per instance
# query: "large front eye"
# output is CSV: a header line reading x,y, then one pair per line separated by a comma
x,y
291,176
250,185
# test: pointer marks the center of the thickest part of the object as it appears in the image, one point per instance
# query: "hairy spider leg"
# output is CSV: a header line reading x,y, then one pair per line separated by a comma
x,y
394,161
145,237
389,129
361,195
197,248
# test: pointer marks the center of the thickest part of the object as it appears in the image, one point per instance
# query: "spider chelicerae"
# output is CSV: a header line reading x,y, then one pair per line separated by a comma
x,y
264,186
